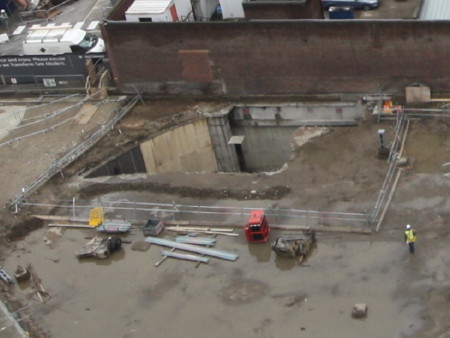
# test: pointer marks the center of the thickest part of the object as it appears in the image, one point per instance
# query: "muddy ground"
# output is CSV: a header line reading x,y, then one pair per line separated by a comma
x,y
259,295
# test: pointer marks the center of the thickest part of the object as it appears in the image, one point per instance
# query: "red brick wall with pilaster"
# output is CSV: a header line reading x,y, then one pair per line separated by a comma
x,y
282,57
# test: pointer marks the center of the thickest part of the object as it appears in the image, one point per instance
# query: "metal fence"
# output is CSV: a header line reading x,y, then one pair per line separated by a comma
x,y
391,178
58,165
139,212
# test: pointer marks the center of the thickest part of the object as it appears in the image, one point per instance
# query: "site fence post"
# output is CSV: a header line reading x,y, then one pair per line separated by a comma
x,y
73,207
174,211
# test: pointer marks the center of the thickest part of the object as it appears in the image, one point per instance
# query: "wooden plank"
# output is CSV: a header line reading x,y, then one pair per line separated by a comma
x,y
158,263
323,229
204,228
71,225
60,218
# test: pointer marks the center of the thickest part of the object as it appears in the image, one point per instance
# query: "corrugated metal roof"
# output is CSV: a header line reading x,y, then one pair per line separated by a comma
x,y
435,10
148,6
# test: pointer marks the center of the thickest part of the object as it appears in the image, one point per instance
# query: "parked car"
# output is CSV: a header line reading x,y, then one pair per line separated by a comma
x,y
355,4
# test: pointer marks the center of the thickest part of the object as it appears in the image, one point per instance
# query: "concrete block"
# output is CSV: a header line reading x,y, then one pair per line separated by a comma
x,y
4,38
402,162
359,310
418,94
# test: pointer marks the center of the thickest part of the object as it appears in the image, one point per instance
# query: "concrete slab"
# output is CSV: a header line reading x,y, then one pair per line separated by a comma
x,y
10,117
85,114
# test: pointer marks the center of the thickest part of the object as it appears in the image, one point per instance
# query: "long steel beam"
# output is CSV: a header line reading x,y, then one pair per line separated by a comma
x,y
208,241
188,247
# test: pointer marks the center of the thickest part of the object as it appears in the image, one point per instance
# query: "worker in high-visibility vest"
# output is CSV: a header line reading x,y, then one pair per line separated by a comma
x,y
410,237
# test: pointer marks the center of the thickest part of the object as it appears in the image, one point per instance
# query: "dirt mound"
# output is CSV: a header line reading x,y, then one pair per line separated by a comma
x,y
275,192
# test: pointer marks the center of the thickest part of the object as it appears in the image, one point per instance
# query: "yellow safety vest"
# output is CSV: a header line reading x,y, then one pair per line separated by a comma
x,y
410,236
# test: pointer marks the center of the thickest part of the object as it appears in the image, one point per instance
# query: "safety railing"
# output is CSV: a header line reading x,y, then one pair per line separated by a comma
x,y
389,181
58,165
139,212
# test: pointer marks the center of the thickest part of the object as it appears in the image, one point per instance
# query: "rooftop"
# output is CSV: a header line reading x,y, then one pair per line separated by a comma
x,y
435,10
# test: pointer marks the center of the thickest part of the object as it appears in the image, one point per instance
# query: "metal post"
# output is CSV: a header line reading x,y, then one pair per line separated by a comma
x,y
73,207
174,211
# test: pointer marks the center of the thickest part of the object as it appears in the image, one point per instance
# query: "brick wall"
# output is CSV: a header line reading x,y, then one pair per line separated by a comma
x,y
281,57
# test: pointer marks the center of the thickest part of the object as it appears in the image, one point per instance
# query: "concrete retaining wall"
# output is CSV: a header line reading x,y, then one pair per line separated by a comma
x,y
266,148
298,114
187,148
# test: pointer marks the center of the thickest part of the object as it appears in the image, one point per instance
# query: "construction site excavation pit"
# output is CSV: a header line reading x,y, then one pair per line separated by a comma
x,y
336,172
239,138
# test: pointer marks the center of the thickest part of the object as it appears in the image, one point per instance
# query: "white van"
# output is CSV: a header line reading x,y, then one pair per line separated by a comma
x,y
60,40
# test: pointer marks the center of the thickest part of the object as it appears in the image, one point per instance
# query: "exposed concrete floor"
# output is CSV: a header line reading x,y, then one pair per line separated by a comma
x,y
259,295
256,296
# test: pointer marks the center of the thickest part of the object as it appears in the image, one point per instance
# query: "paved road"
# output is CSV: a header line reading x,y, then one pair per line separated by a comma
x,y
76,11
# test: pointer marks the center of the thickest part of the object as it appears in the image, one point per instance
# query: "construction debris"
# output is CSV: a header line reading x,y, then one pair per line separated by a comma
x,y
402,162
36,283
188,247
188,257
21,274
153,227
140,246
114,226
158,263
359,311
295,246
61,225
52,235
100,247
5,277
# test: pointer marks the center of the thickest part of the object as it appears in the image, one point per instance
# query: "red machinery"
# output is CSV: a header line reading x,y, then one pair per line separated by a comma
x,y
257,229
